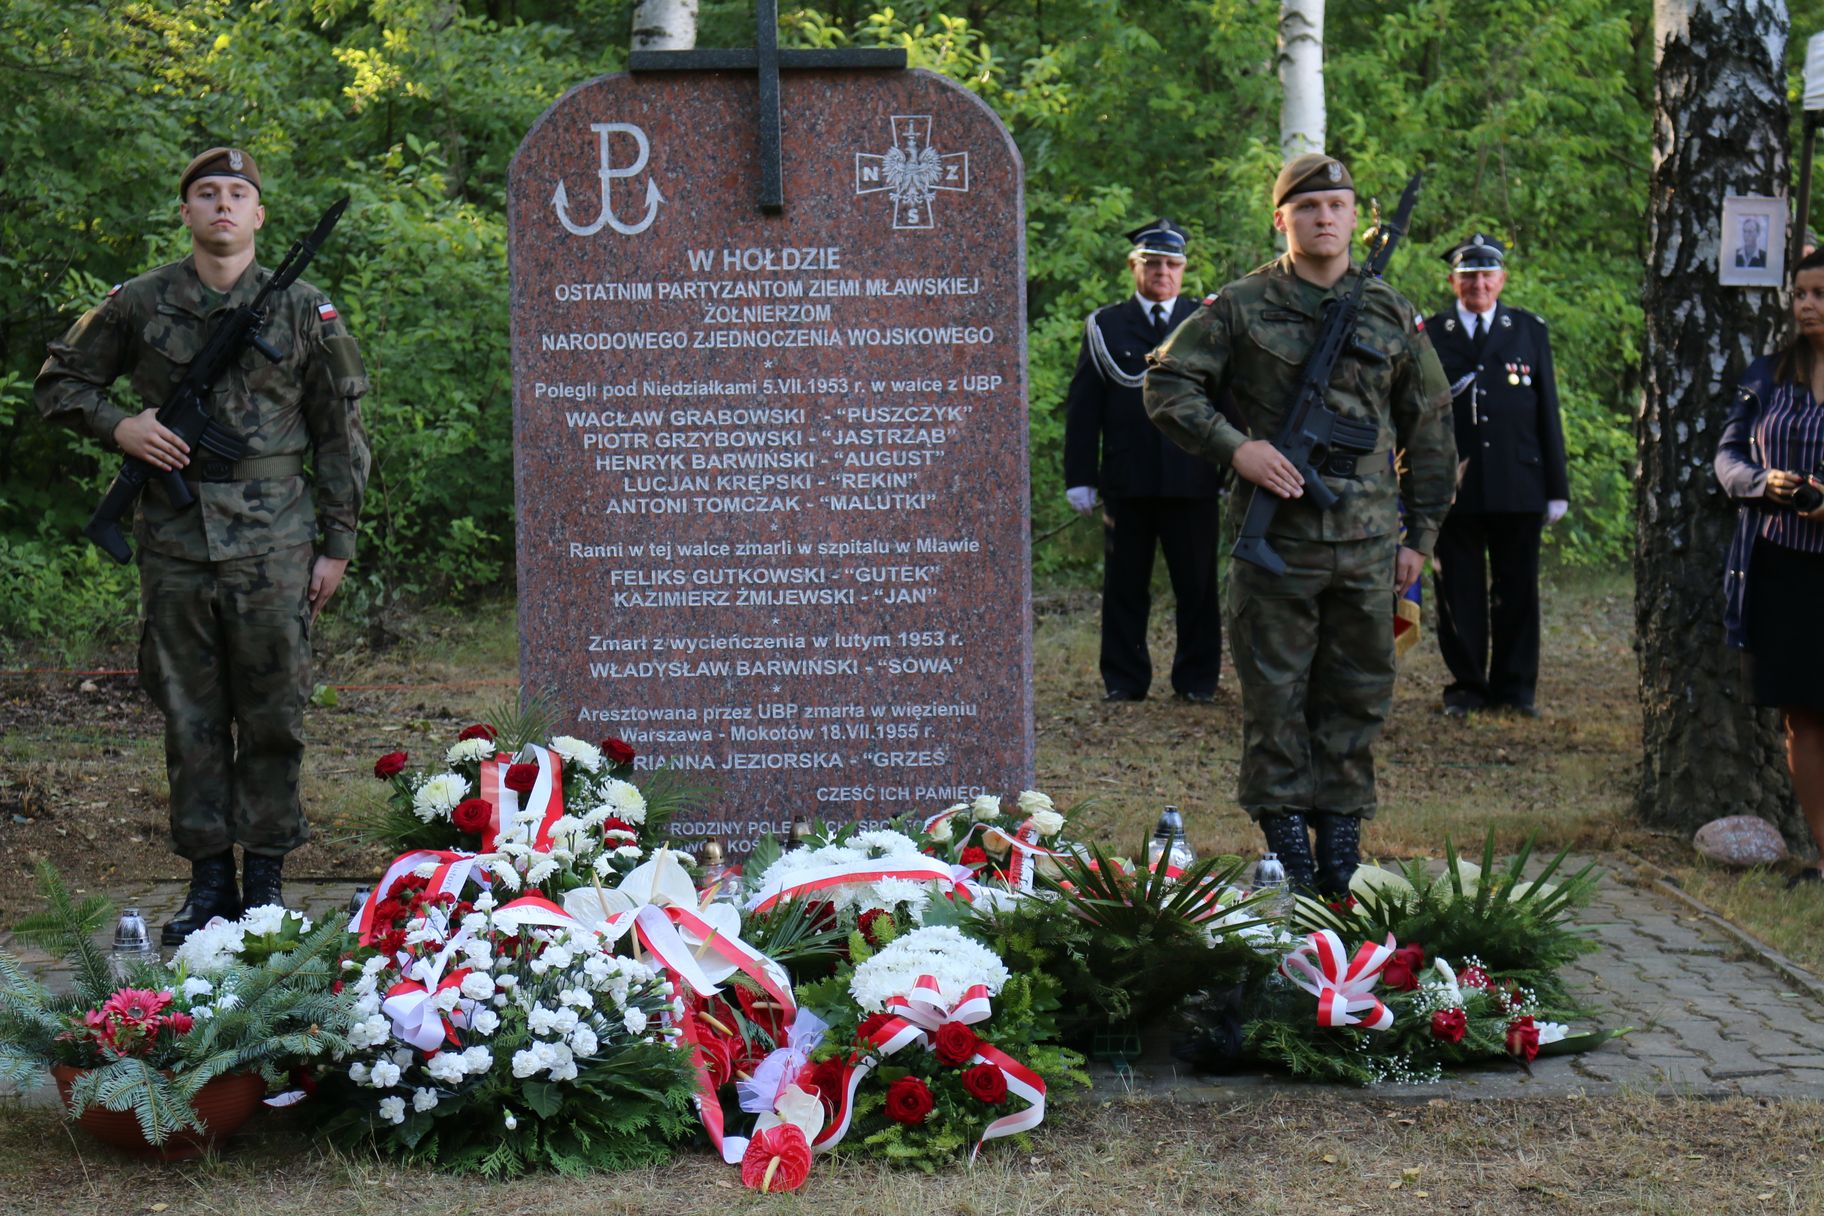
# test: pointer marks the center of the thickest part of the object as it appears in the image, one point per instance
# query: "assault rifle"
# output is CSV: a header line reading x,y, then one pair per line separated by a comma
x,y
1314,436
185,412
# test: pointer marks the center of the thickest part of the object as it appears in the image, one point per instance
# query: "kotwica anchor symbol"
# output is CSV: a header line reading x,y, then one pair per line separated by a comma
x,y
561,199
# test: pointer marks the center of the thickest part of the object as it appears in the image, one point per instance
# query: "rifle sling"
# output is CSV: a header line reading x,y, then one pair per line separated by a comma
x,y
214,469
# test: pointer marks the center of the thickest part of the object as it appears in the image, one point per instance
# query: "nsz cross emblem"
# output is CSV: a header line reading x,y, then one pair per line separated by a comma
x,y
912,172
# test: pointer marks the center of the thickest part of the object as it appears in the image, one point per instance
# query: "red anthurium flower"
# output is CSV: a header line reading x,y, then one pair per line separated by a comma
x,y
390,765
986,1084
777,1159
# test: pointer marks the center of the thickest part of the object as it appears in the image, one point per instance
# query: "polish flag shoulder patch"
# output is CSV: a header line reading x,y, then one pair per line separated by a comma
x,y
115,290
327,311
1418,323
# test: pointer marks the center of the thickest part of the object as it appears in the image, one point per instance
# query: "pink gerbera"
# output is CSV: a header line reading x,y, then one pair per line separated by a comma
x,y
137,1005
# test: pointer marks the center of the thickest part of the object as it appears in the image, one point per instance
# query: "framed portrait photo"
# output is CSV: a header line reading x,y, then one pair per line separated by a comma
x,y
1753,249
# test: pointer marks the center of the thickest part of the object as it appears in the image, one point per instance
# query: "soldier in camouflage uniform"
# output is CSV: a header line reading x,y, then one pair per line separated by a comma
x,y
229,588
1314,647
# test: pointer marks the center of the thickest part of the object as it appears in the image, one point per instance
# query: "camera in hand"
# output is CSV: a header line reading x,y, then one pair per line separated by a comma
x,y
1808,498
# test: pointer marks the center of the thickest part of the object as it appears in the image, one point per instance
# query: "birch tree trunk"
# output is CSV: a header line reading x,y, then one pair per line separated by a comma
x,y
665,25
1301,77
1721,128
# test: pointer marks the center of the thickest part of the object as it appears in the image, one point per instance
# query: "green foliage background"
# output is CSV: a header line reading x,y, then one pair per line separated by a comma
x,y
1532,120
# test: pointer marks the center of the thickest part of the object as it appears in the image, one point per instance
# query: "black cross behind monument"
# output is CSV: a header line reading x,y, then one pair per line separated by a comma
x,y
768,60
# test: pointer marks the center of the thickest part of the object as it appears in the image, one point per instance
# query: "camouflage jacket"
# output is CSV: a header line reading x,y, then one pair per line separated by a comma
x,y
307,404
1252,338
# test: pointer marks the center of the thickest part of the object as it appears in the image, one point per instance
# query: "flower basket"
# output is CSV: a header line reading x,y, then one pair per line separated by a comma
x,y
223,1105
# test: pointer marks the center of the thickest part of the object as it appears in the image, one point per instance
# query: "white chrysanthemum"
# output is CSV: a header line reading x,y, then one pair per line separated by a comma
x,y
1551,1032
468,751
266,919
884,842
625,797
437,797
1048,823
541,869
586,756
985,807
956,962
392,1109
196,986
889,893
211,950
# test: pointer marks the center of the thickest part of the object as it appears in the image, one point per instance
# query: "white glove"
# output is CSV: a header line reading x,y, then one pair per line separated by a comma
x,y
1082,499
1555,509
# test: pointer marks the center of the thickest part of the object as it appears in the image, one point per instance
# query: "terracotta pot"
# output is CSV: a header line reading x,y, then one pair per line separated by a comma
x,y
223,1105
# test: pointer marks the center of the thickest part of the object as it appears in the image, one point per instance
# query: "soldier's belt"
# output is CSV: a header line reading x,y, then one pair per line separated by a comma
x,y
1348,464
211,468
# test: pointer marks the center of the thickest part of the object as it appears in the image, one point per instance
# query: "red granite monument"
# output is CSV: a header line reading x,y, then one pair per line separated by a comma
x,y
770,434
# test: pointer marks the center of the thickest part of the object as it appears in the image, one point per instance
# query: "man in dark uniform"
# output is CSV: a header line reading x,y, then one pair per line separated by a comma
x,y
1512,482
229,586
1155,495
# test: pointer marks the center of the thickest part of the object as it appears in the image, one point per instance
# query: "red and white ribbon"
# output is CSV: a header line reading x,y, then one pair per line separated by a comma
x,y
1023,851
849,873
453,871
412,1003
1342,985
544,801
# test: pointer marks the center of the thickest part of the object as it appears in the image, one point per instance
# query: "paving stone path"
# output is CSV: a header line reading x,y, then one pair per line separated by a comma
x,y
1710,1016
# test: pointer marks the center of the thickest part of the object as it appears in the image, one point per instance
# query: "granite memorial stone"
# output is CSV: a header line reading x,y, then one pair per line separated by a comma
x,y
771,464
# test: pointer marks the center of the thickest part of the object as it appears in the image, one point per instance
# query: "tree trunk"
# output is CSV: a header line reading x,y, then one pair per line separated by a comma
x,y
1721,128
665,25
1301,77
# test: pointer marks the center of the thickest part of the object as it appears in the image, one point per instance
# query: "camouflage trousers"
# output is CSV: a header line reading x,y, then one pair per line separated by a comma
x,y
1313,652
225,654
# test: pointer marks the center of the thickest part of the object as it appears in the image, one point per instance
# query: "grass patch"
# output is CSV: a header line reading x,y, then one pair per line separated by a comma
x,y
1758,900
1280,1155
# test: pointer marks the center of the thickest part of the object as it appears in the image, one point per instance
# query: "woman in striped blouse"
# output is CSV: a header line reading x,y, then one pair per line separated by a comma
x,y
1771,461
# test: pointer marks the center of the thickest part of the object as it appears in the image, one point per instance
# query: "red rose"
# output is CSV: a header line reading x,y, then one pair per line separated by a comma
x,y
826,1080
481,730
1474,977
390,765
866,922
908,1100
1402,970
1523,1039
955,1044
472,815
974,855
870,1024
618,751
985,1084
522,777
1449,1025
777,1159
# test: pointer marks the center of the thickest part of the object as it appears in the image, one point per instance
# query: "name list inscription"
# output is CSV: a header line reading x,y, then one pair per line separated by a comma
x,y
770,525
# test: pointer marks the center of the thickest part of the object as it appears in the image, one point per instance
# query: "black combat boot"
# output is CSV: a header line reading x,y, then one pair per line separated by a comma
x,y
212,894
1286,837
1339,851
260,881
